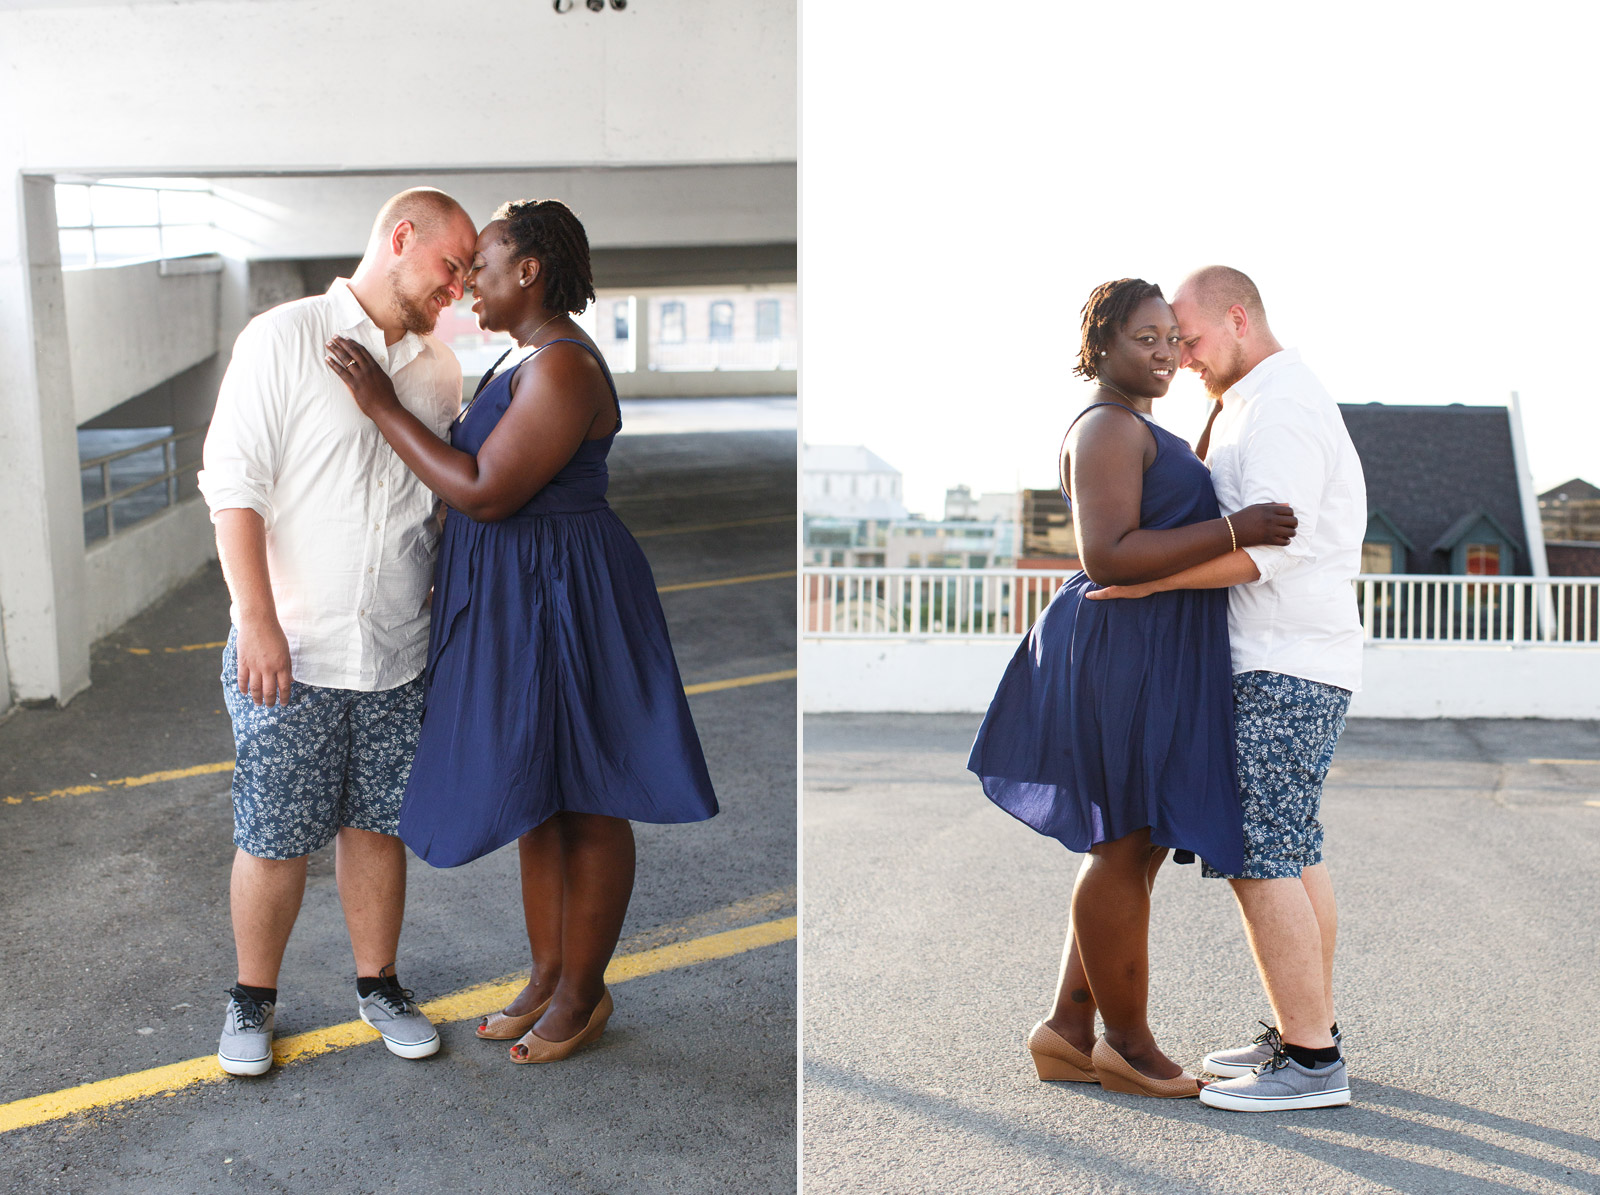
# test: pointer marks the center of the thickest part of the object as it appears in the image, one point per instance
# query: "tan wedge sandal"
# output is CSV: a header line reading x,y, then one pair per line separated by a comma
x,y
1056,1058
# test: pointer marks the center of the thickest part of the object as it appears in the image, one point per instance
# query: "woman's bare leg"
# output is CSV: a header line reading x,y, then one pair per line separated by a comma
x,y
539,853
598,859
1073,1013
1111,926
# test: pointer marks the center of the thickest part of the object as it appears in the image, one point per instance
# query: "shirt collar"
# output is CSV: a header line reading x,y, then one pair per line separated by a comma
x,y
1255,381
353,321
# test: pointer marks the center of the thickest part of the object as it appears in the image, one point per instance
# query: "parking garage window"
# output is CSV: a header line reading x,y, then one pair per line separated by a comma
x,y
110,221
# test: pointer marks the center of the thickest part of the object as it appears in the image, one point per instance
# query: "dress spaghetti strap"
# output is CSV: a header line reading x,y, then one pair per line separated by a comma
x,y
616,403
1061,456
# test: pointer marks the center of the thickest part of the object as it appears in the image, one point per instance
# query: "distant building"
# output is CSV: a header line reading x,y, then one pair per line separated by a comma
x,y
1442,490
850,482
1571,511
1570,514
1047,535
957,543
1003,506
855,518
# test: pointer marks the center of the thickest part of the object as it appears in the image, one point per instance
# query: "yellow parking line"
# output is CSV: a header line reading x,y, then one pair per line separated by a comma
x,y
144,651
204,769
473,1002
715,526
723,581
77,790
711,686
1566,762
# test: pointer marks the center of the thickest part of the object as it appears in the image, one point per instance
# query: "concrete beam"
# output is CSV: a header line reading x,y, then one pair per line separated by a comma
x,y
277,85
296,216
132,329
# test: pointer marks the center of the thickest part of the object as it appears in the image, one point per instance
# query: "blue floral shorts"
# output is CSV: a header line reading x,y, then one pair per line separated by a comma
x,y
1285,729
329,758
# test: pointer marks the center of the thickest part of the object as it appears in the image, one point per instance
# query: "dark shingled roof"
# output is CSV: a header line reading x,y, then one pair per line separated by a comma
x,y
1429,467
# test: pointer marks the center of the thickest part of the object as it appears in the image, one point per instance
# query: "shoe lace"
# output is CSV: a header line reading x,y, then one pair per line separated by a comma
x,y
1279,1059
247,1013
1269,1037
399,1001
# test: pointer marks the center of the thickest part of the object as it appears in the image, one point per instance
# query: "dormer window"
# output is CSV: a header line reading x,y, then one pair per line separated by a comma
x,y
1478,546
1483,560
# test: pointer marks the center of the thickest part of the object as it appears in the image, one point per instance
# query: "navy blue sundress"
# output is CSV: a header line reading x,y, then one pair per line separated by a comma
x,y
551,684
1117,715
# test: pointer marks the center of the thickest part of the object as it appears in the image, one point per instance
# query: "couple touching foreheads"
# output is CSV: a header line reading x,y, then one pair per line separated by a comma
x,y
524,690
1186,690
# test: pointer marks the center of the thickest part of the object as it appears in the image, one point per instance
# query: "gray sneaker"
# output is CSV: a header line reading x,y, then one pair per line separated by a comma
x,y
1244,1059
393,1013
246,1045
1280,1084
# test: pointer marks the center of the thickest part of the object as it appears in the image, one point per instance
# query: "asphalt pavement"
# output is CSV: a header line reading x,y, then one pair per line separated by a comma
x,y
1466,859
115,848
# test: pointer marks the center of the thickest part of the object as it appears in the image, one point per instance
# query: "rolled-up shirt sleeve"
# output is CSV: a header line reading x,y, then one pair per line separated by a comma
x,y
1285,460
241,454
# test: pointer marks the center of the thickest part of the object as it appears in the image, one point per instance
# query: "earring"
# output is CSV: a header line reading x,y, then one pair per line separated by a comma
x,y
1103,352
525,282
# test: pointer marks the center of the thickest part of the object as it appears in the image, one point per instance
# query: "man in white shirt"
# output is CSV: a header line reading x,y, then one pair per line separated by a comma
x,y
1277,436
327,544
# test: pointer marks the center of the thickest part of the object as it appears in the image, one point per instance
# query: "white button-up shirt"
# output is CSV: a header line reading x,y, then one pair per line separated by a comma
x,y
351,532
1280,438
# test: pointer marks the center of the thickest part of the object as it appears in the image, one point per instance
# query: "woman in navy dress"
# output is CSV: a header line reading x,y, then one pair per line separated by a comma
x,y
554,710
1112,728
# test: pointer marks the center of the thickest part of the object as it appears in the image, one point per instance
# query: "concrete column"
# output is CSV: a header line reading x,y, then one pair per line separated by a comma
x,y
640,332
42,576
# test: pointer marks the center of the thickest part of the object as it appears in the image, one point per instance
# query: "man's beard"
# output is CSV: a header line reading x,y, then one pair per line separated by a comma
x,y
419,317
1219,383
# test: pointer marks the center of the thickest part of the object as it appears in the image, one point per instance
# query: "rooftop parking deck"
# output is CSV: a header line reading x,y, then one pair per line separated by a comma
x,y
1467,985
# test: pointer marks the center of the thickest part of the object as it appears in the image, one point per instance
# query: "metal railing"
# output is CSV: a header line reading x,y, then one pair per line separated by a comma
x,y
863,603
176,476
1408,608
705,356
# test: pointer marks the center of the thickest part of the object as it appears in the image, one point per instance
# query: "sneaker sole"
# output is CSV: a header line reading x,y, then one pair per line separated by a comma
x,y
1236,1103
421,1049
243,1066
1229,1070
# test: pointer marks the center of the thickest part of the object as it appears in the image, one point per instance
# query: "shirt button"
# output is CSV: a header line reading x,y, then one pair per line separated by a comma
x,y
380,485
369,570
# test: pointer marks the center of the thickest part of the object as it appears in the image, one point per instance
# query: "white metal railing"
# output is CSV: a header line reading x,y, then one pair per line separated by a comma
x,y
709,355
175,476
862,603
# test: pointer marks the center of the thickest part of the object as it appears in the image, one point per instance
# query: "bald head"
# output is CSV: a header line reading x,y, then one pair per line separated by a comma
x,y
1224,326
428,210
1214,289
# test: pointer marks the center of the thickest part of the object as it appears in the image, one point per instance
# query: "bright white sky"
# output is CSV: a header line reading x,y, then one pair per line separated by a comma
x,y
1410,185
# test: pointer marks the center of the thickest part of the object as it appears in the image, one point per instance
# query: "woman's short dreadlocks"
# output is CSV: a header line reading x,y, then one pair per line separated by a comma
x,y
547,230
1107,311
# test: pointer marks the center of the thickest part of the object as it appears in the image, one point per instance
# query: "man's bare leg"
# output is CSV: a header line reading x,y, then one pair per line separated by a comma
x,y
1287,941
371,870
264,899
1319,889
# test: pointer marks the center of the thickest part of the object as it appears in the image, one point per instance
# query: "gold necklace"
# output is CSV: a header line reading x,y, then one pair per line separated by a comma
x,y
483,385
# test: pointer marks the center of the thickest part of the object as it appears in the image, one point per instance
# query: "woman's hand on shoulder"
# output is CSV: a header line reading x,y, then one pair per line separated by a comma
x,y
1266,524
362,376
